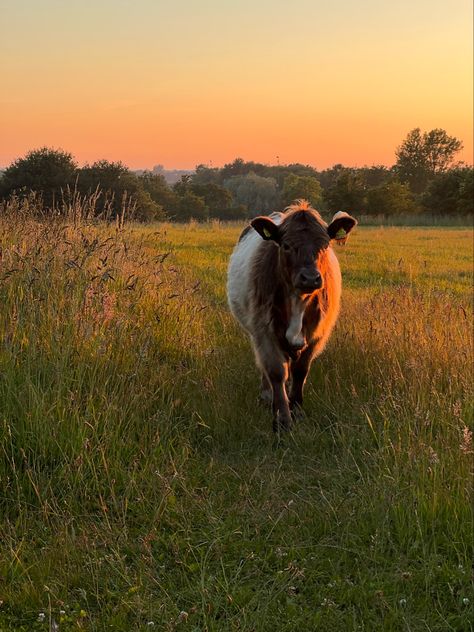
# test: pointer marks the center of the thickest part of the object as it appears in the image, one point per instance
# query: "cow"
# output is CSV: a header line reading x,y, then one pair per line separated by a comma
x,y
284,288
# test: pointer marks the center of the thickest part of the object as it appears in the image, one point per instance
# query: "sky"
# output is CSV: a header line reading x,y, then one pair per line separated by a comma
x,y
190,82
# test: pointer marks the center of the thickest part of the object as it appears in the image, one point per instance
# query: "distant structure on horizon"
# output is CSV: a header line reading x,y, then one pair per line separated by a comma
x,y
170,175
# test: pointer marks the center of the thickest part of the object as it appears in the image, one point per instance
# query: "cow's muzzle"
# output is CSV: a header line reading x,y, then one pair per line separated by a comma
x,y
308,281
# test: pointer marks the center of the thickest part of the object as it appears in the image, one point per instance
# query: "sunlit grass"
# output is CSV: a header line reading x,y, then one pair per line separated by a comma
x,y
140,481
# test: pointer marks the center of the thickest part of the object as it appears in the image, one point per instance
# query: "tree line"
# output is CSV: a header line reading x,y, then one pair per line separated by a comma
x,y
424,178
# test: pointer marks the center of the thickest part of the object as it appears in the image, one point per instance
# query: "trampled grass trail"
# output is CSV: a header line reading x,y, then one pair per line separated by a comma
x,y
141,485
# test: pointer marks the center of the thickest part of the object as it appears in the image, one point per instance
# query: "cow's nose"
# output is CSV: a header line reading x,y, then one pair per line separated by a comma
x,y
309,280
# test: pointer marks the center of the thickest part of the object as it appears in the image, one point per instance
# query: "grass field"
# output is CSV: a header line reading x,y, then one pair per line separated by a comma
x,y
141,485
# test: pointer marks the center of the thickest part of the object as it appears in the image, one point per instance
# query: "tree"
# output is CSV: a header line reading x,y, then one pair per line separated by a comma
x,y
215,197
306,187
376,175
257,193
451,193
191,206
328,177
159,190
206,175
421,156
348,193
117,185
391,198
183,185
45,170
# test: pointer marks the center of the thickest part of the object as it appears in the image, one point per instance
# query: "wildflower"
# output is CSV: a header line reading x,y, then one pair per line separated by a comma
x,y
465,601
151,624
108,307
327,603
432,456
183,616
457,408
41,617
62,612
466,441
403,602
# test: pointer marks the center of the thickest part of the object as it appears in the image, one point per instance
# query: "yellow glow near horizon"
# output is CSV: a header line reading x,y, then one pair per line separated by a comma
x,y
205,82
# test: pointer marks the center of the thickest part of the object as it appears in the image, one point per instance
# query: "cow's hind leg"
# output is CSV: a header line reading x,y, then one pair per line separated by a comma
x,y
299,373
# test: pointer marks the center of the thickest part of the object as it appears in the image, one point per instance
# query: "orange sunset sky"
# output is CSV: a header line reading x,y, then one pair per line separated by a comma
x,y
182,83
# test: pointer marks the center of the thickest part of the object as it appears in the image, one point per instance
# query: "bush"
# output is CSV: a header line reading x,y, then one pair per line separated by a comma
x,y
45,171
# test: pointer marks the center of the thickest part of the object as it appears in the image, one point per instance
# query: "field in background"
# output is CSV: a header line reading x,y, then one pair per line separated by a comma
x,y
418,219
140,480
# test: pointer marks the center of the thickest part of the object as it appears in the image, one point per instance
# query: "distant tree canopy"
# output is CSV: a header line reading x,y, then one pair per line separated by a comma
x,y
347,193
46,171
159,191
422,156
391,198
425,178
452,190
257,193
216,197
118,186
306,187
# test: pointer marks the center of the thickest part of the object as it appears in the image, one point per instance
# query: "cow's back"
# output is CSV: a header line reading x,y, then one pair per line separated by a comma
x,y
239,282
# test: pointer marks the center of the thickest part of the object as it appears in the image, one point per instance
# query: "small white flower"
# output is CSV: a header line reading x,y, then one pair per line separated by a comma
x,y
151,623
403,602
465,601
41,616
62,612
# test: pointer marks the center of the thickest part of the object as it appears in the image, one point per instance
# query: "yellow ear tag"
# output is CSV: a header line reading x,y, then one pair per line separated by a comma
x,y
341,233
267,233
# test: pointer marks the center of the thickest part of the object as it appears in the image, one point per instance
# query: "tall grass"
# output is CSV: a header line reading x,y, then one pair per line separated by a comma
x,y
140,481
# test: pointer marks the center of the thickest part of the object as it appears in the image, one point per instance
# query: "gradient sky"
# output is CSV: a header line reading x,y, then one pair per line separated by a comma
x,y
205,81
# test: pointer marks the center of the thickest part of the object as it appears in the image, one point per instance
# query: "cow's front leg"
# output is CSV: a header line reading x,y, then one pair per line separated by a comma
x,y
274,365
299,372
266,392
277,375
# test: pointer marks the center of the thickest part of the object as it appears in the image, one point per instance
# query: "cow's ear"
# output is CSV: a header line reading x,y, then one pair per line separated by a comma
x,y
266,228
340,226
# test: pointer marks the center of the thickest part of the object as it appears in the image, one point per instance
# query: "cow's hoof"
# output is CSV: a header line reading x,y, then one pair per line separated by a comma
x,y
281,424
297,412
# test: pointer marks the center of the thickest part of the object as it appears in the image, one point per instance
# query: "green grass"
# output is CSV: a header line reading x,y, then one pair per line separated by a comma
x,y
140,481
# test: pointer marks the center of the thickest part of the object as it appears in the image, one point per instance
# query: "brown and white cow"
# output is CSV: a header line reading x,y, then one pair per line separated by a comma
x,y
284,287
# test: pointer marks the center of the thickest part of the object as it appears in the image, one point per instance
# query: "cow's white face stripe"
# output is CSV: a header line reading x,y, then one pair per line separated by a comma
x,y
294,333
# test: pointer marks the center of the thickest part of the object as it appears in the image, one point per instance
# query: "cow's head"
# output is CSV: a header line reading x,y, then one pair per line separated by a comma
x,y
303,238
